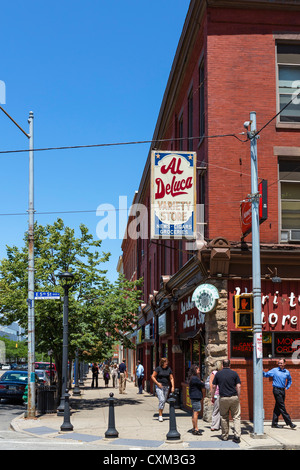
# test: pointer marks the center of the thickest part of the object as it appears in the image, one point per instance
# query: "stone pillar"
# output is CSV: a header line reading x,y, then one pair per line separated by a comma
x,y
215,339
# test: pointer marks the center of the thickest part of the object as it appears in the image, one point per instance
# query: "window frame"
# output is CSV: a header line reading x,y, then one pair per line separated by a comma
x,y
286,180
279,123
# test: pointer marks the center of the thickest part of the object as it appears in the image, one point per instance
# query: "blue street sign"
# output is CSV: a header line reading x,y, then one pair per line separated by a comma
x,y
47,295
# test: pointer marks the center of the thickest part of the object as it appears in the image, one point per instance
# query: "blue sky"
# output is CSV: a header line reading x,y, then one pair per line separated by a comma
x,y
92,72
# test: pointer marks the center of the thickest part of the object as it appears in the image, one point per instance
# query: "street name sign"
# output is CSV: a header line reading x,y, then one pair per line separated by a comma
x,y
47,296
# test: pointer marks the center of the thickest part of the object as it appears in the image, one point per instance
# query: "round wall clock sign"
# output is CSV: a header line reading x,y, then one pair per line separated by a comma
x,y
205,297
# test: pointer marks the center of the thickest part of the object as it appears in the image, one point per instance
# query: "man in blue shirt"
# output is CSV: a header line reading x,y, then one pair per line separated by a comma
x,y
140,376
281,381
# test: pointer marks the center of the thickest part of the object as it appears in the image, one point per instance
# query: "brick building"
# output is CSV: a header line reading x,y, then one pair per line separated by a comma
x,y
233,57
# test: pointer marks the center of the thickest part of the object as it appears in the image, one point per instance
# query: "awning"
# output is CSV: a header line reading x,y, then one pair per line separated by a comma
x,y
190,334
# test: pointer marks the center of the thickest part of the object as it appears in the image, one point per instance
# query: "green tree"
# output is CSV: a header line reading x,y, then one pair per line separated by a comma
x,y
14,350
99,311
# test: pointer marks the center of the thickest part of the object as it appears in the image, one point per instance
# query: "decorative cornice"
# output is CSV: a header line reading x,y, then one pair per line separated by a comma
x,y
255,4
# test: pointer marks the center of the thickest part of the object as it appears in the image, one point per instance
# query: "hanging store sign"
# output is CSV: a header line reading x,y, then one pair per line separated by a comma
x,y
173,195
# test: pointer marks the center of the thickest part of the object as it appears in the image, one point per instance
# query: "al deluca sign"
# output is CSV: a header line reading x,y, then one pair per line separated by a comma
x,y
173,195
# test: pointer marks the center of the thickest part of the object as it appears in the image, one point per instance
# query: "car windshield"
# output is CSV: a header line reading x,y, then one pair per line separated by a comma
x,y
16,376
42,366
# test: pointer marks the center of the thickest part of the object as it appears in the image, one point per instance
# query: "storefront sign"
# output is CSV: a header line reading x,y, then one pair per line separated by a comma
x,y
173,195
280,310
206,297
139,337
149,331
163,324
286,344
190,317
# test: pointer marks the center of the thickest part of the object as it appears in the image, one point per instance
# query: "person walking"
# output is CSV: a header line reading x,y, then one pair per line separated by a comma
x,y
216,418
106,375
229,388
282,381
95,372
195,393
140,376
122,378
114,375
163,379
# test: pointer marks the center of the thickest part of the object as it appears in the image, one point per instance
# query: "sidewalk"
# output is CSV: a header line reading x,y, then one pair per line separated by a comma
x,y
136,420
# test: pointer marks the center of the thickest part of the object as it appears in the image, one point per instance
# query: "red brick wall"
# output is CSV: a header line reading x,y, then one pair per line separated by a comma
x,y
245,370
241,77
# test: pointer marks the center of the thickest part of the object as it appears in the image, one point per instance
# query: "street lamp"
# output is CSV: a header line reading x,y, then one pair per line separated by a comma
x,y
67,280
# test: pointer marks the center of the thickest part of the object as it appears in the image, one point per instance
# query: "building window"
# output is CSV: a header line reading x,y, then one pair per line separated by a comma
x,y
201,101
289,175
288,61
194,353
275,344
190,121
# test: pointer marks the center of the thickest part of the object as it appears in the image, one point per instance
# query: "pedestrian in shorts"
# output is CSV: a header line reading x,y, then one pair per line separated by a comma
x,y
195,392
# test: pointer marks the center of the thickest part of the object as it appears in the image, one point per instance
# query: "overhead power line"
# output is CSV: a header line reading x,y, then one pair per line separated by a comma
x,y
112,144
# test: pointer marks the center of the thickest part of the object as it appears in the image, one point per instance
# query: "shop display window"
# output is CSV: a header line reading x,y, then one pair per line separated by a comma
x,y
275,344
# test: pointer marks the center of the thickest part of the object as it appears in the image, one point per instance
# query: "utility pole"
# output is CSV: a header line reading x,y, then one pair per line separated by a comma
x,y
258,410
30,299
31,325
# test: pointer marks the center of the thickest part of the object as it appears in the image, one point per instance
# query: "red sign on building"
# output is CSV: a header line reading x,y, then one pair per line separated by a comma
x,y
246,209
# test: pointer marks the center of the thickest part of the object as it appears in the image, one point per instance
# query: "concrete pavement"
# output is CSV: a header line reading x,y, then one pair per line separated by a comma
x,y
136,421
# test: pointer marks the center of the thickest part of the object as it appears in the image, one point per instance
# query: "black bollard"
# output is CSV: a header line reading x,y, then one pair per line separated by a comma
x,y
111,430
173,434
66,426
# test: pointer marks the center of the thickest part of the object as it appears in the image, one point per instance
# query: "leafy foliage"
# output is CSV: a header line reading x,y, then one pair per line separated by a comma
x,y
100,312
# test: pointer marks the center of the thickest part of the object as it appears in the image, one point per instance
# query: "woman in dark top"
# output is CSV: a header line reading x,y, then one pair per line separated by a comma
x,y
195,392
163,379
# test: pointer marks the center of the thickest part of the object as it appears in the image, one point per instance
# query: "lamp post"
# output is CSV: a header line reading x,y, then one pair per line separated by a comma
x,y
67,279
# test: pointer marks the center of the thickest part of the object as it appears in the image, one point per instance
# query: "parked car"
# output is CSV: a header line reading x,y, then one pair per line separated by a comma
x,y
22,366
43,377
46,366
6,367
13,383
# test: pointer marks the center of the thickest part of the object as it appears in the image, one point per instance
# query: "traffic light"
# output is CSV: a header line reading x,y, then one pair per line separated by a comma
x,y
243,311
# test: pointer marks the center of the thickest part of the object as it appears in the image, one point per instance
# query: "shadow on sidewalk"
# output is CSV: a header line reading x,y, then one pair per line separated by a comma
x,y
91,404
